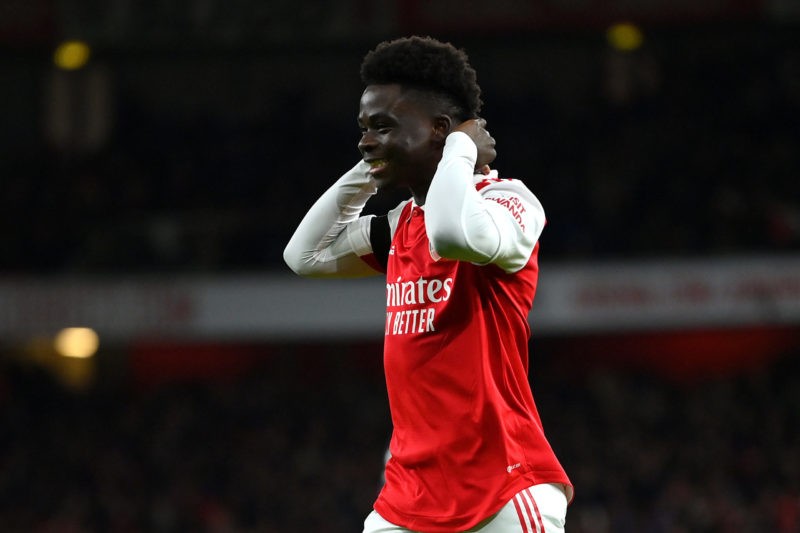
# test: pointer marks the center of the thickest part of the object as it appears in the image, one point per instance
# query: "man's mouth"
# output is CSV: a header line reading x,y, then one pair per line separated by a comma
x,y
376,165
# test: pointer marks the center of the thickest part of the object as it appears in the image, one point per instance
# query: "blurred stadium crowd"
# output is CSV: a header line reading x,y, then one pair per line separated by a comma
x,y
686,146
263,453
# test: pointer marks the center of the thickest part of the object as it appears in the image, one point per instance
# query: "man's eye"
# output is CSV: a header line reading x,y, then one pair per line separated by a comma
x,y
380,128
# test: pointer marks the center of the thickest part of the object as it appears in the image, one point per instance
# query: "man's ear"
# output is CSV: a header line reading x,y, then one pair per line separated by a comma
x,y
442,126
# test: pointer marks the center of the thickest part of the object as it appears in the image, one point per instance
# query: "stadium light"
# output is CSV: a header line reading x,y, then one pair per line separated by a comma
x,y
625,36
80,343
71,55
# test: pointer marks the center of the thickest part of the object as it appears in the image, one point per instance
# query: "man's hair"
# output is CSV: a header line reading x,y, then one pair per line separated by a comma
x,y
428,65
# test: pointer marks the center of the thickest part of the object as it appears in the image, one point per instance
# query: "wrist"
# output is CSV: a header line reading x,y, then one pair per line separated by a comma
x,y
459,144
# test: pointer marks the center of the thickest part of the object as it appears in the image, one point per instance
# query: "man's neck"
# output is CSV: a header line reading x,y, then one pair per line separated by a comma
x,y
419,194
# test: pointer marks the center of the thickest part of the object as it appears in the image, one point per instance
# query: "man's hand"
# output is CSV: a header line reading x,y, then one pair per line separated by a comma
x,y
476,129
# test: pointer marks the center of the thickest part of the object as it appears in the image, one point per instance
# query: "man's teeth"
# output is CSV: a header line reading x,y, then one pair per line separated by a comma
x,y
377,163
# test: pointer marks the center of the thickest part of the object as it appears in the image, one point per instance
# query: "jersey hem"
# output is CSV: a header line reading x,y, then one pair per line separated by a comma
x,y
426,524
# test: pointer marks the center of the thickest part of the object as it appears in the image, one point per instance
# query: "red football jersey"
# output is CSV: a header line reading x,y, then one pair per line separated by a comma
x,y
467,435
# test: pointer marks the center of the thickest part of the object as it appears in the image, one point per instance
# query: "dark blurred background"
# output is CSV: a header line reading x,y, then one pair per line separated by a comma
x,y
156,156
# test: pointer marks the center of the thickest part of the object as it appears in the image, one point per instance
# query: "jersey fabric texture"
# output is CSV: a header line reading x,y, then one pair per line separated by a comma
x,y
467,435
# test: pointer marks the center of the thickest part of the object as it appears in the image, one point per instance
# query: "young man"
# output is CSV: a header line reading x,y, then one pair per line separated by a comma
x,y
460,256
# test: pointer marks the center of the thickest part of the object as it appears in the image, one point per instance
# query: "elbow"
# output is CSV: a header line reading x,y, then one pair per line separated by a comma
x,y
445,246
294,261
440,239
449,246
303,263
477,248
291,262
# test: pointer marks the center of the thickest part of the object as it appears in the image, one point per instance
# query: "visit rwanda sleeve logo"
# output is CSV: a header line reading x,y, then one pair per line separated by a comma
x,y
514,206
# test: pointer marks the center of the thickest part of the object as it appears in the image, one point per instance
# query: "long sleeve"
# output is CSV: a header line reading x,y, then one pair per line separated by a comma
x,y
500,224
332,236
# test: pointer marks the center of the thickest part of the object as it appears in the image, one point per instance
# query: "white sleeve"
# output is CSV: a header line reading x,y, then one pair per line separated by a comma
x,y
499,225
332,236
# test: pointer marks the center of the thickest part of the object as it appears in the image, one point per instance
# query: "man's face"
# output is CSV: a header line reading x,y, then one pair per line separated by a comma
x,y
398,137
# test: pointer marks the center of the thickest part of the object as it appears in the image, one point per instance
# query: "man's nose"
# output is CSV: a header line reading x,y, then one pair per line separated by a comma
x,y
367,143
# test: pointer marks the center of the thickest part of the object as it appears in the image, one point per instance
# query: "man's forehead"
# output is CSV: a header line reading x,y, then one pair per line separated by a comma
x,y
386,99
381,95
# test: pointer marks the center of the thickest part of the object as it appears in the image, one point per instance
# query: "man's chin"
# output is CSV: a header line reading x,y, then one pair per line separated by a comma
x,y
386,184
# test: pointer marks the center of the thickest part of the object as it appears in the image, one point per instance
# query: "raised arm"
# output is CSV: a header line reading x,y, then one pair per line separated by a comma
x,y
500,224
333,237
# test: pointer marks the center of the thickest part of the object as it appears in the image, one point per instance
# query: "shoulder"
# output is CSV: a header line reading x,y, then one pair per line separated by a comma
x,y
512,194
494,183
396,213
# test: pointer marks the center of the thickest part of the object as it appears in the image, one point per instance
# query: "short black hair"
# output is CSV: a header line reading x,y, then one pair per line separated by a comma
x,y
426,64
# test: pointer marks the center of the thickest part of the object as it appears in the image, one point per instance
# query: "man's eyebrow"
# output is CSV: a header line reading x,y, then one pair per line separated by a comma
x,y
374,117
